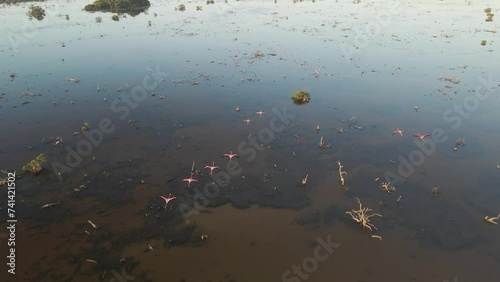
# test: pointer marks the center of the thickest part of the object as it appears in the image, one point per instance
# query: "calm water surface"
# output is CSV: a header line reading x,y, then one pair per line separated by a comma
x,y
260,221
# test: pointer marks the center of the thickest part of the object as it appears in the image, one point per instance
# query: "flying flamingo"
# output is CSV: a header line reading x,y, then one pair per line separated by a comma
x,y
231,155
398,131
421,136
260,113
167,199
248,121
212,167
190,179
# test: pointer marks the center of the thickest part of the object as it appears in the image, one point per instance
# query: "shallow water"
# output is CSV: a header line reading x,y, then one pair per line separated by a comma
x,y
260,220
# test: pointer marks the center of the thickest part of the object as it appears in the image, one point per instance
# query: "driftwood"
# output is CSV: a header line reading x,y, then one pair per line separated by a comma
x,y
387,187
362,217
492,219
304,181
341,174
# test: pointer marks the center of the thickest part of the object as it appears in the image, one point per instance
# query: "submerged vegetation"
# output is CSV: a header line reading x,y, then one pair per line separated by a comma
x,y
131,7
18,1
36,12
86,125
301,97
35,165
489,15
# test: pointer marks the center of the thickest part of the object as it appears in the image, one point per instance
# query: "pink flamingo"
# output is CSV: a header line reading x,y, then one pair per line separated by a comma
x,y
398,131
167,199
231,155
421,136
248,121
212,167
190,179
260,113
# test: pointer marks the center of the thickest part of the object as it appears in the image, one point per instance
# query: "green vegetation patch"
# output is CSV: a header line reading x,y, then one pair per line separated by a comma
x,y
301,97
131,7
35,165
36,12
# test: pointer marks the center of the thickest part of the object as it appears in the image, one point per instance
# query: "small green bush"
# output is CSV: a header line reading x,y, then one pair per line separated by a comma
x,y
36,12
301,97
35,165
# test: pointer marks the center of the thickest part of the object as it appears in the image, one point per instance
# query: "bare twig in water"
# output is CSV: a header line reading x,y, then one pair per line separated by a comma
x,y
50,205
362,217
80,188
59,141
323,145
492,219
352,121
360,127
387,187
339,130
341,174
93,225
304,181
74,80
4,181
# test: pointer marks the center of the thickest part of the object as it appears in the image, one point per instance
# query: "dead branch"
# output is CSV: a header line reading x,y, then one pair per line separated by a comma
x,y
323,145
362,217
492,219
304,181
387,187
341,174
352,121
93,224
50,205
